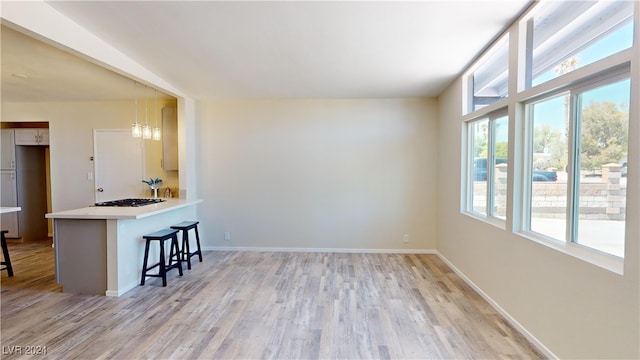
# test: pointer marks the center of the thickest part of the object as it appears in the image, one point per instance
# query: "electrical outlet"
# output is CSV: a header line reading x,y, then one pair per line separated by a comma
x,y
405,238
227,235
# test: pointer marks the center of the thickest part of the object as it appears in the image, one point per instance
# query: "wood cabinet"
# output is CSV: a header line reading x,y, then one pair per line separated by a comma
x,y
9,198
8,150
32,136
169,138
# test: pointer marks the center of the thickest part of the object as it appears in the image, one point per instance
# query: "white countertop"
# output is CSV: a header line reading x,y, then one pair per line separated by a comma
x,y
115,212
10,209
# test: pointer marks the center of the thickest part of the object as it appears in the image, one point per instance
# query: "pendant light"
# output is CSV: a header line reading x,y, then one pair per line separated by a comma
x,y
136,128
146,130
156,130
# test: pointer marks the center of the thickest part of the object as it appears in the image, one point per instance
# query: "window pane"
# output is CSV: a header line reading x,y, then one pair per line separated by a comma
x,y
501,156
479,148
548,201
491,78
604,125
571,34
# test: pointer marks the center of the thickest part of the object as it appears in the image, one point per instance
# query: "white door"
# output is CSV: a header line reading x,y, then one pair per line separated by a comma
x,y
118,165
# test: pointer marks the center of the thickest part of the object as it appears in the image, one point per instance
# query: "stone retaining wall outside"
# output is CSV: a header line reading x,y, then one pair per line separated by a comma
x,y
603,200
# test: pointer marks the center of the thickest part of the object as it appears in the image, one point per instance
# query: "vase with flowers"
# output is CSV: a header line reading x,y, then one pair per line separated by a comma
x,y
154,184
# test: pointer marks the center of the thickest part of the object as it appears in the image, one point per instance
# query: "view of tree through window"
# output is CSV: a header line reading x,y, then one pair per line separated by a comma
x,y
601,129
603,118
604,134
548,199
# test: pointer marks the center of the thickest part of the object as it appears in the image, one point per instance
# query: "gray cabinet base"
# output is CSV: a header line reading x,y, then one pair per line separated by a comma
x,y
81,255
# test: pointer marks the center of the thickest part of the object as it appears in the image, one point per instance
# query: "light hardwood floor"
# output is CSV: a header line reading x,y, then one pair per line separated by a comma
x,y
255,305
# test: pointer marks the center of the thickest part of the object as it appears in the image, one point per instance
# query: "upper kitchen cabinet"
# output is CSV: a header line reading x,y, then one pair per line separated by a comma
x,y
32,136
8,154
169,138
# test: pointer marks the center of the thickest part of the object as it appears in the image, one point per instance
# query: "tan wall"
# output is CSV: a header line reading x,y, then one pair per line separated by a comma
x,y
348,174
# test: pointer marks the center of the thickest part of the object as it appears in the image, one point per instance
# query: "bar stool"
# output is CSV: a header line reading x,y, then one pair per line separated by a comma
x,y
162,236
185,226
5,253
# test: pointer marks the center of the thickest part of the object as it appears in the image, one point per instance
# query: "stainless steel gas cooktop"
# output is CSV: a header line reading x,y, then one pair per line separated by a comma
x,y
130,202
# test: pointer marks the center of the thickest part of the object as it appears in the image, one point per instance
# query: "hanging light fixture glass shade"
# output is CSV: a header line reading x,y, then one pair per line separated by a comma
x,y
146,132
136,128
156,134
156,130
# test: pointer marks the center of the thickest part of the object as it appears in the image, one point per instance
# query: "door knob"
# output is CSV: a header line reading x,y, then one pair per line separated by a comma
x,y
100,189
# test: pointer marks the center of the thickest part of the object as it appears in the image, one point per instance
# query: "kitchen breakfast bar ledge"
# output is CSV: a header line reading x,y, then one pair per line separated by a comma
x,y
99,249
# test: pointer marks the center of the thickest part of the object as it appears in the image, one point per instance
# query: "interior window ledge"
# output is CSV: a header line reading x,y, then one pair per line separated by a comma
x,y
499,223
595,257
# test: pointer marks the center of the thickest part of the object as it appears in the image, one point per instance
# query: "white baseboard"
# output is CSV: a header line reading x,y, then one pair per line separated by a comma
x,y
512,321
335,250
116,293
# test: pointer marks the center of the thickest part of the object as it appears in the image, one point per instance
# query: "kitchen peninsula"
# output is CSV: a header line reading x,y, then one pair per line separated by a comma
x,y
99,249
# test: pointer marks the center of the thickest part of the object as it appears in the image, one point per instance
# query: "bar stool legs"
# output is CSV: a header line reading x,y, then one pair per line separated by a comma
x,y
5,253
161,236
185,226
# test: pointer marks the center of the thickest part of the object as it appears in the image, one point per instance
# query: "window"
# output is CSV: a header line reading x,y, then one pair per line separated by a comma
x,y
603,126
570,133
489,81
479,140
566,35
488,157
580,135
548,127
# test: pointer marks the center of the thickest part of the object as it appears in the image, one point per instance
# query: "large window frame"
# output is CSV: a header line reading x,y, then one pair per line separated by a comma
x,y
488,80
570,242
522,92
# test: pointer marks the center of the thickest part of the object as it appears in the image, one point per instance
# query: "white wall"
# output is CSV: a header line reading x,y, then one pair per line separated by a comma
x,y
339,174
71,127
577,310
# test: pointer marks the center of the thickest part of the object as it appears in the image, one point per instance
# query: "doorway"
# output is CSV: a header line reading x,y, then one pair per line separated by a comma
x,y
33,191
26,145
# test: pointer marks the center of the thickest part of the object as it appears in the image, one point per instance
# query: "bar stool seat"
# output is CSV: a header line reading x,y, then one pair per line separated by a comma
x,y
5,253
185,226
161,236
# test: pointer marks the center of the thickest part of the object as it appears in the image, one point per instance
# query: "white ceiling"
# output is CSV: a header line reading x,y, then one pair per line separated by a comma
x,y
284,49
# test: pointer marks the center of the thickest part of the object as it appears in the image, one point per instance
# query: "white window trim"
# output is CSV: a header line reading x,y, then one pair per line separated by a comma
x,y
468,170
594,256
590,255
